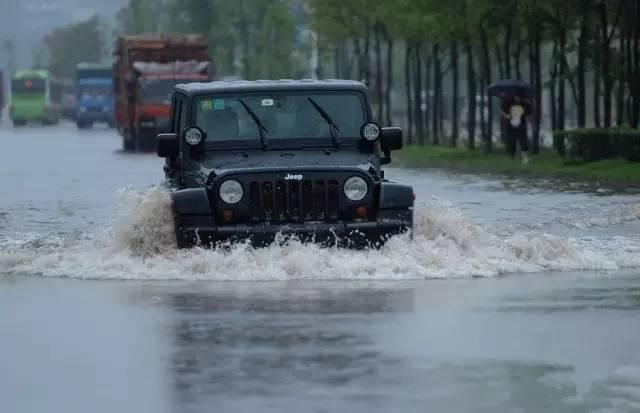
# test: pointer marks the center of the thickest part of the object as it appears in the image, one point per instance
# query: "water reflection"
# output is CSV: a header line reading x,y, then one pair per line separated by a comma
x,y
617,296
274,344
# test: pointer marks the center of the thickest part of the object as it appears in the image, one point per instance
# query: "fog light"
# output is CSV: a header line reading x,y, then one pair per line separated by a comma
x,y
227,215
361,212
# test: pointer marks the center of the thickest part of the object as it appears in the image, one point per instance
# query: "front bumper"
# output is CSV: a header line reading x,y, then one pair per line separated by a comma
x,y
94,116
189,233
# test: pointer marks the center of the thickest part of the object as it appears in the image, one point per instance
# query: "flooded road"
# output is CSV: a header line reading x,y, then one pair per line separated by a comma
x,y
513,297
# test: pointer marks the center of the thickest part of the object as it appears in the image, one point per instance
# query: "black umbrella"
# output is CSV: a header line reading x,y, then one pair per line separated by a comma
x,y
510,87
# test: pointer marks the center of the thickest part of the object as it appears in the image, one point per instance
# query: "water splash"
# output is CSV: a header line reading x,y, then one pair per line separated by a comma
x,y
141,245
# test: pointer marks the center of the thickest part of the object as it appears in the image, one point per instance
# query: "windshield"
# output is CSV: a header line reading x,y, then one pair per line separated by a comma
x,y
25,86
95,91
284,115
160,90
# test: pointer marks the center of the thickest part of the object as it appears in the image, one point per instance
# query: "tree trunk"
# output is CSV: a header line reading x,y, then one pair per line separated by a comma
x,y
517,54
605,59
536,82
379,75
488,129
471,96
428,98
553,82
407,78
500,62
562,87
538,114
596,84
582,57
346,62
437,85
620,89
508,34
417,95
367,56
389,87
629,81
552,100
455,91
635,112
359,58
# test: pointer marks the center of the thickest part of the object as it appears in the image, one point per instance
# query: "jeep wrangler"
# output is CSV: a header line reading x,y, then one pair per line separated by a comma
x,y
264,161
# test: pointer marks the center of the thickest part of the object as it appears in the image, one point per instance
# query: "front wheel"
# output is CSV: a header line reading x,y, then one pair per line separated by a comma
x,y
128,144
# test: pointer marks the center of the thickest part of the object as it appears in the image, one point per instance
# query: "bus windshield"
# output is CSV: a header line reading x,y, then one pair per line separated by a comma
x,y
28,86
95,91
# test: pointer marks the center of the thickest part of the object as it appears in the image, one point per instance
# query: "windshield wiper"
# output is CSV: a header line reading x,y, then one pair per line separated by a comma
x,y
261,128
332,125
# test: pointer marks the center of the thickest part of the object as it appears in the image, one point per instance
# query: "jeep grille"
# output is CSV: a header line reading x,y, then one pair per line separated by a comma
x,y
294,201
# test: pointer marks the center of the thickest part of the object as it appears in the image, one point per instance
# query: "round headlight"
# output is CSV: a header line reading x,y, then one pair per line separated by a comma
x,y
355,188
231,191
193,136
370,131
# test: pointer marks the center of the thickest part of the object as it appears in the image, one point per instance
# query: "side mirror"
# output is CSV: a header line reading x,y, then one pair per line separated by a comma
x,y
168,145
390,139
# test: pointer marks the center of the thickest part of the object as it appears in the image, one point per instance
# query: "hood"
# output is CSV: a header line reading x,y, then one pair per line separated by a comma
x,y
284,160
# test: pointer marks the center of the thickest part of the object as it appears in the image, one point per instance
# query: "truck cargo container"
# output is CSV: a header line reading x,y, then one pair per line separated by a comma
x,y
146,69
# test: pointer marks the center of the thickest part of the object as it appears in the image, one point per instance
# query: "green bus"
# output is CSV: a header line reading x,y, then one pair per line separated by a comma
x,y
36,96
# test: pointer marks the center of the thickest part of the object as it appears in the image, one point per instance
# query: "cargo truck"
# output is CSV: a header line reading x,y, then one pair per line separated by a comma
x,y
145,70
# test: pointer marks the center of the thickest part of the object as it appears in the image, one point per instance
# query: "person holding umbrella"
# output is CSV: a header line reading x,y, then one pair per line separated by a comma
x,y
515,111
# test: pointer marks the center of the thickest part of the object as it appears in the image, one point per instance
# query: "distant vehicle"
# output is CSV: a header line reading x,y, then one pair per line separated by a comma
x,y
35,97
69,105
251,160
94,94
145,71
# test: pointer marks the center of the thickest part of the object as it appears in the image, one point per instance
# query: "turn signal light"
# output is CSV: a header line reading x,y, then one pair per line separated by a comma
x,y
227,215
361,212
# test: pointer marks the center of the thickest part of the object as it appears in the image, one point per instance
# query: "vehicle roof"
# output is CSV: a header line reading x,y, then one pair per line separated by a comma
x,y
269,86
26,73
93,66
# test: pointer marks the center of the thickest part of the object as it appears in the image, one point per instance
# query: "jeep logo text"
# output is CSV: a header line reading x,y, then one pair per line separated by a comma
x,y
292,177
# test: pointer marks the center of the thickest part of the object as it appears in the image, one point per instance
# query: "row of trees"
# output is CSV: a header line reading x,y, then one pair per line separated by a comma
x,y
85,41
249,38
581,56
427,62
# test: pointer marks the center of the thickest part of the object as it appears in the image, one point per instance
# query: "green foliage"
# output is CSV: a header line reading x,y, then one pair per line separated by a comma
x,y
79,42
546,164
250,38
590,145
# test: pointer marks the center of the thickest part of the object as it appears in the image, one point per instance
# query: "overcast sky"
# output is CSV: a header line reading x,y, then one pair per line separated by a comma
x,y
27,21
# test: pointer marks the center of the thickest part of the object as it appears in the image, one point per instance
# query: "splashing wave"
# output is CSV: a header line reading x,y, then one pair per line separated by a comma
x,y
141,245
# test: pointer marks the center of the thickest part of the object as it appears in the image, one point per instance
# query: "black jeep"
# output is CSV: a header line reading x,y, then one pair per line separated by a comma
x,y
261,160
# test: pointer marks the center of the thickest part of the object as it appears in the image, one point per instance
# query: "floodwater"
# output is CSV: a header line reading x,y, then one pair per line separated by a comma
x,y
514,296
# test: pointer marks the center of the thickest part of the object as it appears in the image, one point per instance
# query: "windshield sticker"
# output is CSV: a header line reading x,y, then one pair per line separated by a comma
x,y
218,104
267,102
206,105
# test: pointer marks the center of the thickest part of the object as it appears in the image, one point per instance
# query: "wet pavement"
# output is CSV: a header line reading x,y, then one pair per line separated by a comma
x,y
512,298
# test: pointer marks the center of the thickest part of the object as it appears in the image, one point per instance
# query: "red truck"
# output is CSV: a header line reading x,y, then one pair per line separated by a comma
x,y
145,70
